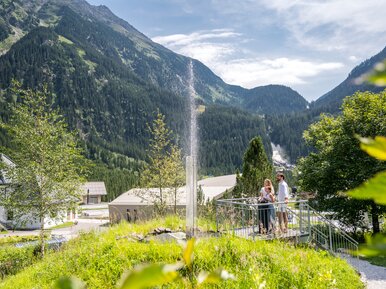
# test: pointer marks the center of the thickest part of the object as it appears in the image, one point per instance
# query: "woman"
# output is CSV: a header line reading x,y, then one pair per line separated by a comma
x,y
267,195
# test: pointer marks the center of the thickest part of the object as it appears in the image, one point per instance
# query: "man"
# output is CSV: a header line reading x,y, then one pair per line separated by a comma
x,y
282,196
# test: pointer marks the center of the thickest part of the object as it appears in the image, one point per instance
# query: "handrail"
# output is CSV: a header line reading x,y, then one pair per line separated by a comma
x,y
231,201
333,225
305,219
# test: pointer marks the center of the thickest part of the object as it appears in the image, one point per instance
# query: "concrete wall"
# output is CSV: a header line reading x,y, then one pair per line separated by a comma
x,y
92,199
3,215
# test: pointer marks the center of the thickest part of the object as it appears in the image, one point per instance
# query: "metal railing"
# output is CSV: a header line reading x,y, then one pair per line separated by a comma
x,y
295,220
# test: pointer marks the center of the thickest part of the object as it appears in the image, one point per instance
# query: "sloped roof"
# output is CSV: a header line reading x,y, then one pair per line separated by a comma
x,y
212,188
94,189
8,162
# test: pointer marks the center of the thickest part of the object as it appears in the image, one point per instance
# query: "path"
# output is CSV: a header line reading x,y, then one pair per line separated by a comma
x,y
373,276
84,225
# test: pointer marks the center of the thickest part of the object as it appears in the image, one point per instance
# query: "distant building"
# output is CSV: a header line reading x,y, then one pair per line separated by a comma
x,y
28,221
131,206
92,192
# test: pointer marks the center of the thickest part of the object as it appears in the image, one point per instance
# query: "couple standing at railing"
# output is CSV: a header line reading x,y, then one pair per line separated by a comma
x,y
267,214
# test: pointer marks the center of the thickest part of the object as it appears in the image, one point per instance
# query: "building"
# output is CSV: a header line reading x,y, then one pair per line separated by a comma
x,y
27,221
132,205
92,192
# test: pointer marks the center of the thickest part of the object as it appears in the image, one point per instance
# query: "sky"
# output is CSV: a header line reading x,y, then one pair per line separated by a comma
x,y
309,45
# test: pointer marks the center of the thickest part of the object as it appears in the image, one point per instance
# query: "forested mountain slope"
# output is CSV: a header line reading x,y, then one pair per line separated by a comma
x,y
332,100
91,71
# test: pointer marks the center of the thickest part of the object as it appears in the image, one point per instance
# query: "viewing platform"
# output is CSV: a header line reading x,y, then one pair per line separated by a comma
x,y
247,218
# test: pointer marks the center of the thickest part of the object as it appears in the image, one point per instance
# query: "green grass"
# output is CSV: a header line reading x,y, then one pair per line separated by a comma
x,y
61,226
20,239
95,208
65,40
378,260
100,259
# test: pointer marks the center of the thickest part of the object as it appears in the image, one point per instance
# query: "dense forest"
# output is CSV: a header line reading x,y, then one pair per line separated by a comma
x,y
224,136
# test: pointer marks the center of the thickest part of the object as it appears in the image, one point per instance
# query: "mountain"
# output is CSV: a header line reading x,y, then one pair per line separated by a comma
x,y
108,80
273,99
98,28
287,131
332,100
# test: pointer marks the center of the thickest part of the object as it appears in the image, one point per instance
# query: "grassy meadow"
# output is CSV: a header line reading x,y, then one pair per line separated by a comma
x,y
100,258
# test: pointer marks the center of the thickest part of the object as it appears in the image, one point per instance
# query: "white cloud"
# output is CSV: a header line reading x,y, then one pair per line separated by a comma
x,y
262,71
324,25
185,39
231,63
210,47
333,24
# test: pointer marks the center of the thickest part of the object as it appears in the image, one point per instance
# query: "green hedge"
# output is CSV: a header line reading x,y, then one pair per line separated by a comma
x,y
13,260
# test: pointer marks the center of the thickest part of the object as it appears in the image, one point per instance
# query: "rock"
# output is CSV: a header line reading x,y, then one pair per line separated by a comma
x,y
179,237
161,230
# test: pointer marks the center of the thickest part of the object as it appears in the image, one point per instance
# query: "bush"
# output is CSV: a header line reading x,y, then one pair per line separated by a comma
x,y
13,260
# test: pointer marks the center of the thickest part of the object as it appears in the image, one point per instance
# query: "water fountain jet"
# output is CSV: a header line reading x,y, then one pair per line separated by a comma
x,y
191,162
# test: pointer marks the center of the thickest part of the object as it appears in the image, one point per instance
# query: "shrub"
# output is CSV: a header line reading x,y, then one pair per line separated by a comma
x,y
13,260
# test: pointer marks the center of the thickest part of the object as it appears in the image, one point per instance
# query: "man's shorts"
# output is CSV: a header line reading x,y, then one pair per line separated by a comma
x,y
282,208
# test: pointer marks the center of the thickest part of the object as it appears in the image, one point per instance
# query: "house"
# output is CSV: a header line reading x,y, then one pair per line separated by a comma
x,y
92,192
132,205
27,221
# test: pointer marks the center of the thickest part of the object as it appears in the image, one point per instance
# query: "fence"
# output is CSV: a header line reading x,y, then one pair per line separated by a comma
x,y
295,220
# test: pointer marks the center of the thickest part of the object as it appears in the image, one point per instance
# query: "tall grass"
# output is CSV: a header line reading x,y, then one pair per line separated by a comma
x,y
100,259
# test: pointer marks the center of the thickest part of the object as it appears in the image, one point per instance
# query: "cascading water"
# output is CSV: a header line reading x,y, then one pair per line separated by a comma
x,y
191,161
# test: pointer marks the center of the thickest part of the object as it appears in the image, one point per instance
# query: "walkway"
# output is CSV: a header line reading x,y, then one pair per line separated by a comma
x,y
84,225
373,276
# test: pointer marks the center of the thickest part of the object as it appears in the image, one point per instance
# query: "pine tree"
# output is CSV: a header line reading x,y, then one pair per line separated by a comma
x,y
256,168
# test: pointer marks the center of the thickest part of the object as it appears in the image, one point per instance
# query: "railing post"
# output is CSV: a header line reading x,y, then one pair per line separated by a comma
x,y
330,237
309,221
242,217
301,218
253,222
216,217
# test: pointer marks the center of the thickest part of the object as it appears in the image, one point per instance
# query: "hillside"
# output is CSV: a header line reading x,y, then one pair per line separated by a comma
x,y
273,99
332,100
118,40
108,80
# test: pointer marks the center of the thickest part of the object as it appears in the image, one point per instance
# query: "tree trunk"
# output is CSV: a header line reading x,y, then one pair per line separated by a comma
x,y
42,243
175,201
375,218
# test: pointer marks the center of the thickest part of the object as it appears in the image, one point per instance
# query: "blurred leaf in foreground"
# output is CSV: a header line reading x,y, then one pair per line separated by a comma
x,y
69,283
375,246
188,253
374,147
150,276
214,277
378,75
375,189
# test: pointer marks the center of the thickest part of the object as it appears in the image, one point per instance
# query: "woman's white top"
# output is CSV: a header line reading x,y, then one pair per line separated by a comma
x,y
265,195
